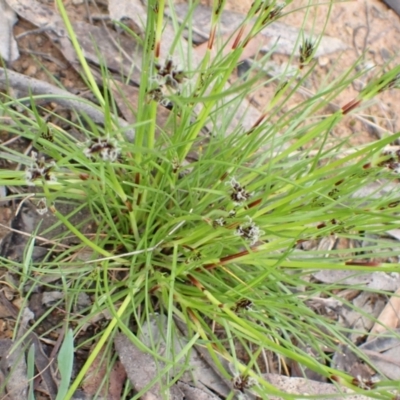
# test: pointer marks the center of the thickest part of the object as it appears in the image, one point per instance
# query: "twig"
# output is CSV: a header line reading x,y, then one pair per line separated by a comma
x,y
37,238
33,86
367,31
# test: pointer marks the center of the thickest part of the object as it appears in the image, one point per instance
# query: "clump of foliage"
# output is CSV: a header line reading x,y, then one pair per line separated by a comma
x,y
213,239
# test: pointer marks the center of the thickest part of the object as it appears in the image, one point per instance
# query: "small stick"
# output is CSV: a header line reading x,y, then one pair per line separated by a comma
x,y
28,85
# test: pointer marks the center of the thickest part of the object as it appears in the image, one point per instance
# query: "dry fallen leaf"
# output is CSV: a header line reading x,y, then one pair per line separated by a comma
x,y
39,15
192,393
374,280
118,52
120,9
307,387
389,317
8,45
200,373
346,360
14,364
96,374
384,354
393,4
359,317
141,369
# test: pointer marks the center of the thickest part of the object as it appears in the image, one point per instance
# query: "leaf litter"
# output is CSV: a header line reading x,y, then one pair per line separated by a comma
x,y
8,45
382,351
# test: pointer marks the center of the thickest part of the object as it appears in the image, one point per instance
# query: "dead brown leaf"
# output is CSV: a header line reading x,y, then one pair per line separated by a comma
x,y
39,15
389,316
141,369
117,381
96,374
8,45
119,9
383,352
307,387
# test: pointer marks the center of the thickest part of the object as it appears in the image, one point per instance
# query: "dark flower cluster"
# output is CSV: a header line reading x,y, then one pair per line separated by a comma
x,y
221,220
243,304
39,169
249,231
273,14
169,80
241,382
391,161
306,51
41,206
105,148
239,193
392,84
169,75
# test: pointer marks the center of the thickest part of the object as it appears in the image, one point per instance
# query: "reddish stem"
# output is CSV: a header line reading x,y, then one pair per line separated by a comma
x,y
226,259
223,177
363,263
257,123
84,177
254,203
211,38
339,182
196,283
350,106
129,205
137,182
238,37
157,50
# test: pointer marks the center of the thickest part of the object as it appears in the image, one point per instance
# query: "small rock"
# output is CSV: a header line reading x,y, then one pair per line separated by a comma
x,y
39,40
77,2
323,61
3,196
385,54
31,70
348,29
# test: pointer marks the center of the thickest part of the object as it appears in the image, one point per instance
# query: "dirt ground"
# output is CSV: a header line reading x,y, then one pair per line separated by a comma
x,y
372,33
369,29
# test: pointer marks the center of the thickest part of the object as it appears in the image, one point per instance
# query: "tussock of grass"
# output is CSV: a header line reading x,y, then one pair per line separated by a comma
x,y
197,240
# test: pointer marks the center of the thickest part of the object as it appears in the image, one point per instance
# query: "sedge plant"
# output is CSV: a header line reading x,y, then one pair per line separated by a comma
x,y
201,221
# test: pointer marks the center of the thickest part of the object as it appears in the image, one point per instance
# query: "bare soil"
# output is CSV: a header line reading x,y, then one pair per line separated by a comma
x,y
369,28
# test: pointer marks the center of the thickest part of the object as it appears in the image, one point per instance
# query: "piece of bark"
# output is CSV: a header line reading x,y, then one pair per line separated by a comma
x,y
25,86
306,387
8,45
388,318
141,368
